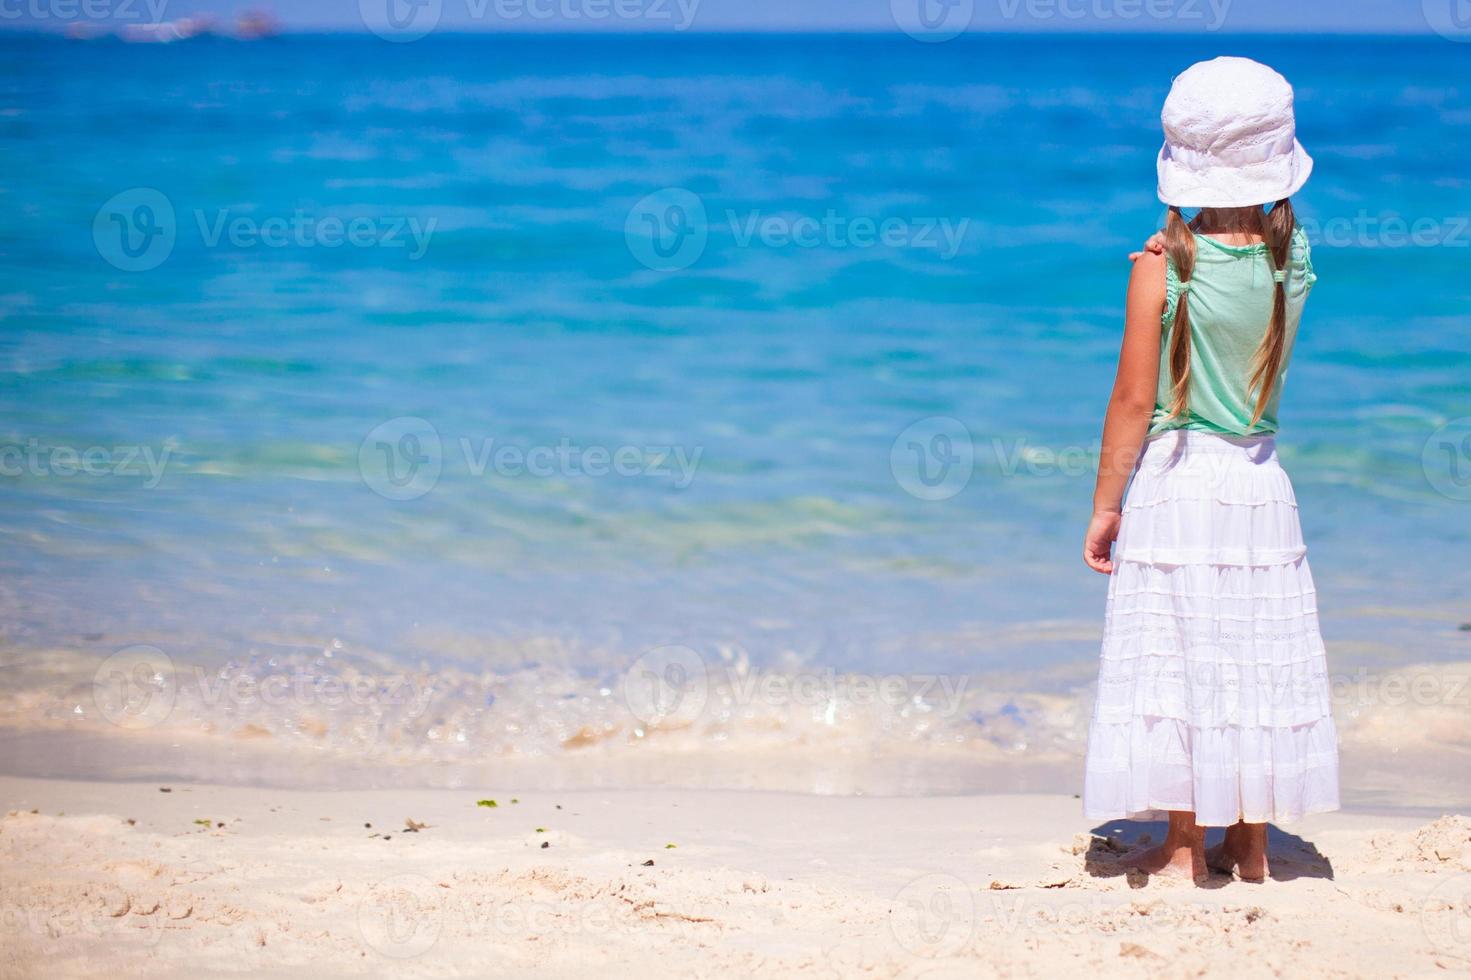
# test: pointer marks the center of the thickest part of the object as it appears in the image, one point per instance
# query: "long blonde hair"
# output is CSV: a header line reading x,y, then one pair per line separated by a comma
x,y
1276,228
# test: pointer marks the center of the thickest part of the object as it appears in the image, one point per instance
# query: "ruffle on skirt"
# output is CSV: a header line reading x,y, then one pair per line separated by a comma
x,y
1213,689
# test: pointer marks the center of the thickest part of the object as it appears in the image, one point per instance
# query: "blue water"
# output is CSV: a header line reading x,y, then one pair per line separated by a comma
x,y
783,373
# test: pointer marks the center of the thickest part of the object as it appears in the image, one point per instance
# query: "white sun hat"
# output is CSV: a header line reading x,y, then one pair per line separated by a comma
x,y
1230,137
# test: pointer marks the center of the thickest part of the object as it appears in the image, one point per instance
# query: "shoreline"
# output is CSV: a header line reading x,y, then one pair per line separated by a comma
x,y
1402,732
123,879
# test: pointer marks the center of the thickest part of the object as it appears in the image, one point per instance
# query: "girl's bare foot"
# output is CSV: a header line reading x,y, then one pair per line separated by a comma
x,y
1182,854
1244,851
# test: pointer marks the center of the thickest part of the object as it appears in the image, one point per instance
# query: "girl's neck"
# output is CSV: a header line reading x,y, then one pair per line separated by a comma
x,y
1233,226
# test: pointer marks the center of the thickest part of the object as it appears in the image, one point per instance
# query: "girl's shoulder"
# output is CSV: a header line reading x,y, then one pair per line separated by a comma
x,y
1300,243
1302,254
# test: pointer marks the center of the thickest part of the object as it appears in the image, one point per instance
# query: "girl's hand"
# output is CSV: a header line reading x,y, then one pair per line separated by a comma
x,y
1156,244
1098,542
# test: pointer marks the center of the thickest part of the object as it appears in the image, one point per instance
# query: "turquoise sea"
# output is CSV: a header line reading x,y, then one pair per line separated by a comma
x,y
497,363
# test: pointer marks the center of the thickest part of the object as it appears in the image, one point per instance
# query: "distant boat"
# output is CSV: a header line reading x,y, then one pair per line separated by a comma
x,y
81,30
166,32
252,25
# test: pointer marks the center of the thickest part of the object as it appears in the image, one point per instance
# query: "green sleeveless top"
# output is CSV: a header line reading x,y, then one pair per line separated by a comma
x,y
1230,310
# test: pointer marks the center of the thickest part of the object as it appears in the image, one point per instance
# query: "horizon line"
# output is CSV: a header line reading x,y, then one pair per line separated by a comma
x,y
306,30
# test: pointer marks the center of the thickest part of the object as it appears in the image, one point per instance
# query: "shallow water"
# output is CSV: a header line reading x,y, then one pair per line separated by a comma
x,y
505,439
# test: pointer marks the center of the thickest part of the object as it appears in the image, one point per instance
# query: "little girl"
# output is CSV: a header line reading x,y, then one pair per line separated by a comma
x,y
1213,699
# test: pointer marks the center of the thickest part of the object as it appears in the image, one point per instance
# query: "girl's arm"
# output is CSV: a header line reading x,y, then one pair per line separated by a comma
x,y
1129,409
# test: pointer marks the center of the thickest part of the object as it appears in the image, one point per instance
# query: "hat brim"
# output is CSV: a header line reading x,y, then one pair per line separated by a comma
x,y
1233,186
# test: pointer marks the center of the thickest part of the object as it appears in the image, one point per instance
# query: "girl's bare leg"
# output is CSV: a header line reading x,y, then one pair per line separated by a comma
x,y
1182,853
1244,851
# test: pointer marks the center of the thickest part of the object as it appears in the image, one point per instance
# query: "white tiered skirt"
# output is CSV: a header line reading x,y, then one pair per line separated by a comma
x,y
1213,691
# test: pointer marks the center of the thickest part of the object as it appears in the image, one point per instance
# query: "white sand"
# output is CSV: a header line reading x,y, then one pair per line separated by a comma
x,y
293,884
